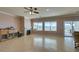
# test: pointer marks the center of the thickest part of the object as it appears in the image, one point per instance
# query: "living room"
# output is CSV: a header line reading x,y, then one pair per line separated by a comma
x,y
38,29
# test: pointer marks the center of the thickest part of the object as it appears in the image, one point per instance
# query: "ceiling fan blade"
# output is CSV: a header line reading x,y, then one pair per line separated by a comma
x,y
25,7
28,8
36,12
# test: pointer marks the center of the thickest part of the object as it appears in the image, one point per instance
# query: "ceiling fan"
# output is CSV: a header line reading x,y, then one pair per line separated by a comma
x,y
31,10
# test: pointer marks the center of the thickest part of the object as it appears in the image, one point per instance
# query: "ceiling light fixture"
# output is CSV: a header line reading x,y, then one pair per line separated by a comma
x,y
31,10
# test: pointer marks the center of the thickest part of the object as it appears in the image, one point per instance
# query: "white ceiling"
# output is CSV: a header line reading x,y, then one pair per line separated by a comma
x,y
44,11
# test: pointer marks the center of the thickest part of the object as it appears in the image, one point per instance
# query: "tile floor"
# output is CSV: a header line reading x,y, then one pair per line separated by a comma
x,y
39,43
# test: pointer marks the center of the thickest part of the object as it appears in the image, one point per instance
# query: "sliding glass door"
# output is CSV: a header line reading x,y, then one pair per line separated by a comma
x,y
76,25
70,27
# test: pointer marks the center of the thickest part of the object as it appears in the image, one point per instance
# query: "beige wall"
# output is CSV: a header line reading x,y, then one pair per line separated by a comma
x,y
20,23
59,26
8,21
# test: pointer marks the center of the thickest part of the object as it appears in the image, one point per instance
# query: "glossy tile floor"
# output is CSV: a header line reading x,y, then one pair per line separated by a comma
x,y
38,43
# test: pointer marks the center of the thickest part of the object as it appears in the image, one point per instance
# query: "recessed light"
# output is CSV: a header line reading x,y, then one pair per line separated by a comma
x,y
47,9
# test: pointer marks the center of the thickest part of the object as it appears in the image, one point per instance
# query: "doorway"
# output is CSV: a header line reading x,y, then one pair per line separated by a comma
x,y
70,27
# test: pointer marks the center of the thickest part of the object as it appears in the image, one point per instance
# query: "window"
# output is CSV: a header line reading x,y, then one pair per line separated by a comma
x,y
50,26
38,26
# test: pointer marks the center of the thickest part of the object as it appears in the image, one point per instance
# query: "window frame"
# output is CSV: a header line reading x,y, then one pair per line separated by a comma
x,y
50,22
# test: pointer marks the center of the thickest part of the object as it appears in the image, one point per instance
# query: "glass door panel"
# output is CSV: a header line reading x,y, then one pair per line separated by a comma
x,y
68,27
76,25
